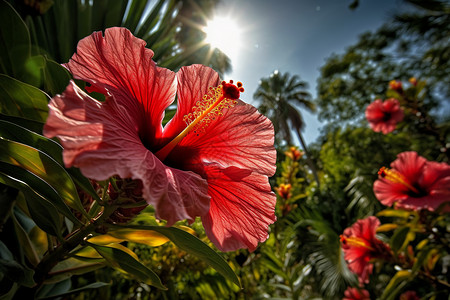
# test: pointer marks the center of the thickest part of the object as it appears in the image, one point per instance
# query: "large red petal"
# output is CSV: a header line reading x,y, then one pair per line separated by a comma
x,y
193,84
410,165
120,63
242,208
241,137
102,140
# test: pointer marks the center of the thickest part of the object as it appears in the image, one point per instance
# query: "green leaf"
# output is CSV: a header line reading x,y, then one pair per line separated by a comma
x,y
398,213
399,238
25,242
397,283
22,135
12,269
51,75
124,261
95,285
72,266
42,211
146,237
192,245
14,41
29,182
34,126
43,166
22,100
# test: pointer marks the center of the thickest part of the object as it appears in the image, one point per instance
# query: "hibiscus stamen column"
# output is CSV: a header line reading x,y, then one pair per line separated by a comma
x,y
396,177
210,106
355,242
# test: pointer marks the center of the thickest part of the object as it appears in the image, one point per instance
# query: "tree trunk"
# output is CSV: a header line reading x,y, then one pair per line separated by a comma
x,y
308,157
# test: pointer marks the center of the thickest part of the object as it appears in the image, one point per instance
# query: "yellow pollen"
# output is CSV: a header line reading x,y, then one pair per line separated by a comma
x,y
396,177
356,242
203,113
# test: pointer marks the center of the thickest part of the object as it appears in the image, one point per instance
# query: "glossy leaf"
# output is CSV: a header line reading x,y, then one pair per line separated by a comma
x,y
13,270
72,266
14,41
398,213
43,166
126,262
387,227
34,126
22,100
27,246
192,245
95,285
42,211
146,237
397,283
22,135
52,76
398,238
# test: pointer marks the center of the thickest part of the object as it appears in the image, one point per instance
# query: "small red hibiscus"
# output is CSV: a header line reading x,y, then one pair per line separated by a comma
x,y
352,293
409,295
360,246
413,182
384,116
211,160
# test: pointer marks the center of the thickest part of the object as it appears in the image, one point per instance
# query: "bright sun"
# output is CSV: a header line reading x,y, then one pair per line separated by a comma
x,y
224,34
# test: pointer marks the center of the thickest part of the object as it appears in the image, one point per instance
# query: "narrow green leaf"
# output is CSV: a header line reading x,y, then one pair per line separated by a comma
x,y
398,213
95,285
12,269
22,135
398,238
72,266
25,242
14,41
115,13
40,187
124,261
397,283
135,13
34,126
43,166
42,211
22,100
192,245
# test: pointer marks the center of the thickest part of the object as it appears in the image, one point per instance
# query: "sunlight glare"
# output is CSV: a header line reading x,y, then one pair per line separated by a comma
x,y
224,34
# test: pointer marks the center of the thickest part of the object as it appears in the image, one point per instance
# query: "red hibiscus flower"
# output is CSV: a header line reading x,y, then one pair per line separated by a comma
x,y
413,182
360,246
409,295
384,116
352,293
211,160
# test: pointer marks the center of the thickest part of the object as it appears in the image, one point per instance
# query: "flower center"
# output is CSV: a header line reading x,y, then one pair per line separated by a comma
x,y
205,111
396,177
355,242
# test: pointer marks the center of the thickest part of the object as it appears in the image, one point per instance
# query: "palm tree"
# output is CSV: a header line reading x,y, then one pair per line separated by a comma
x,y
279,93
171,28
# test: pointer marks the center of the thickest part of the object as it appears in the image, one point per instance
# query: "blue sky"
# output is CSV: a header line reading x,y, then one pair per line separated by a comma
x,y
296,36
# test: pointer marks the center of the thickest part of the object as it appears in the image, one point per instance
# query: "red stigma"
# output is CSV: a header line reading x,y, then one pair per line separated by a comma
x,y
231,91
382,172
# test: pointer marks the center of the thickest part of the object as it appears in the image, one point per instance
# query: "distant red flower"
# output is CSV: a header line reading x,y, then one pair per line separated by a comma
x,y
396,86
360,246
211,160
352,293
409,295
413,182
293,153
384,116
284,190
